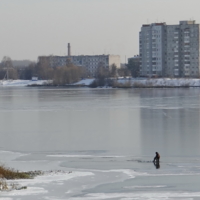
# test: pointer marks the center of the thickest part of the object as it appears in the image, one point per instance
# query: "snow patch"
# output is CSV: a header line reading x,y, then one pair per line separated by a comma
x,y
85,82
154,82
53,176
23,82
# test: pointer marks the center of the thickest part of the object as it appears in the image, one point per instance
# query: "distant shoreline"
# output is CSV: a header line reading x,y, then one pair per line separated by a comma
x,y
111,83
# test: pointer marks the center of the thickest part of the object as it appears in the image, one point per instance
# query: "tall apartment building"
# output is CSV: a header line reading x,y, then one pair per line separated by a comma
x,y
170,50
152,49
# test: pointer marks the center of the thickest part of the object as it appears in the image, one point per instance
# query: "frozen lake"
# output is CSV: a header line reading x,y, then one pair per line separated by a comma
x,y
107,138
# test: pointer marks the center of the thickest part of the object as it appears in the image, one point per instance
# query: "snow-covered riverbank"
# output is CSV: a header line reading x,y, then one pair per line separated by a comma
x,y
23,82
166,82
155,82
131,82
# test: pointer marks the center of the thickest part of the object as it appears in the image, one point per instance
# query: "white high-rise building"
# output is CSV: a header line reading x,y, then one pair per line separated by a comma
x,y
170,50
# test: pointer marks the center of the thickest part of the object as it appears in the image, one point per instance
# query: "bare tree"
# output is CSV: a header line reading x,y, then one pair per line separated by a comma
x,y
7,68
113,72
6,62
102,74
123,72
67,74
13,74
43,69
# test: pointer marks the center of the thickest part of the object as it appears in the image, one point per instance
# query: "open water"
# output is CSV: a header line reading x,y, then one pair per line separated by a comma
x,y
107,138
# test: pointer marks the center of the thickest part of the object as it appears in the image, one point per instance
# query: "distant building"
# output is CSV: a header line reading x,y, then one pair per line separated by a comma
x,y
152,49
89,62
170,50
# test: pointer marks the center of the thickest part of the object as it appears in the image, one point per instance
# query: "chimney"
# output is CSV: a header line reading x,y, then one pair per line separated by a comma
x,y
69,49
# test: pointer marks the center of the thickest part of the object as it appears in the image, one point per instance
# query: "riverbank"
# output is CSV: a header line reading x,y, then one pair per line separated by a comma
x,y
23,83
113,83
144,82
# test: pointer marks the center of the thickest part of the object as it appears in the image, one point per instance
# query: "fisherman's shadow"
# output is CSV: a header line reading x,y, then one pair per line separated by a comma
x,y
157,165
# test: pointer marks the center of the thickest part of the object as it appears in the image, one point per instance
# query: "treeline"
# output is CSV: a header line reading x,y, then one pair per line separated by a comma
x,y
60,75
67,74
106,77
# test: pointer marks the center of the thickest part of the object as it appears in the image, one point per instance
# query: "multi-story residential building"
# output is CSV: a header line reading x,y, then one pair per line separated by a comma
x,y
170,50
152,49
90,63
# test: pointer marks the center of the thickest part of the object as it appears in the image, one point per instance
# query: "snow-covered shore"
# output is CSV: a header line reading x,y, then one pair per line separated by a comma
x,y
23,82
155,82
132,82
164,82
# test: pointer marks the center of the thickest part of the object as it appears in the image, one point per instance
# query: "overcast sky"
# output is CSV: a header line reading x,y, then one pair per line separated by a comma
x,y
30,28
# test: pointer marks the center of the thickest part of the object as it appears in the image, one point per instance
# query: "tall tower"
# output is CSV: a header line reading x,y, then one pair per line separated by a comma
x,y
69,49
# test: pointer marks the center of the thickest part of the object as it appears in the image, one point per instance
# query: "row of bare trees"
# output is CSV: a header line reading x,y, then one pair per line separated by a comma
x,y
60,75
66,75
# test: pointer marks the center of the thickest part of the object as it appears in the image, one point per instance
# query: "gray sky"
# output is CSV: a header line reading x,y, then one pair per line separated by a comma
x,y
43,27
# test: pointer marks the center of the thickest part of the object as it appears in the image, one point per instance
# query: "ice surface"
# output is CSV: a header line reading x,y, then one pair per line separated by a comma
x,y
88,184
84,156
139,196
49,177
107,138
8,155
25,192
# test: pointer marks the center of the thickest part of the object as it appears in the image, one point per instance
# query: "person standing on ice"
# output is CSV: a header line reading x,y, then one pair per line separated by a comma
x,y
156,158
